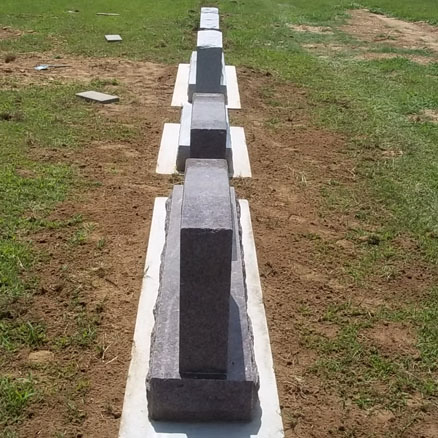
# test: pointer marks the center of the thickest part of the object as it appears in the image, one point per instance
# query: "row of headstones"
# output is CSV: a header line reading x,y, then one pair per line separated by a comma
x,y
202,365
204,127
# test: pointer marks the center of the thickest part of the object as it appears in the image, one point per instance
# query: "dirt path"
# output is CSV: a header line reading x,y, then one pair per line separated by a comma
x,y
371,27
301,252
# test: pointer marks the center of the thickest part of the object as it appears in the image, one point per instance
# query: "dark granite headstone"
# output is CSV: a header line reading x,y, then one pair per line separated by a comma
x,y
204,124
205,270
222,387
209,129
209,61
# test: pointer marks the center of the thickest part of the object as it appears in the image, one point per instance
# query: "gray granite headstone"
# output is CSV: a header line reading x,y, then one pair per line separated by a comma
x,y
184,137
208,130
192,77
231,394
205,271
209,61
206,116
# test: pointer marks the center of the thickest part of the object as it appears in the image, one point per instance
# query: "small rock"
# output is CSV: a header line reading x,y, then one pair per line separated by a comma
x,y
58,287
41,357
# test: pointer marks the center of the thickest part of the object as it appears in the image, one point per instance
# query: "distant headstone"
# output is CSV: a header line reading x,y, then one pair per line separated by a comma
x,y
204,130
209,61
192,88
209,20
209,10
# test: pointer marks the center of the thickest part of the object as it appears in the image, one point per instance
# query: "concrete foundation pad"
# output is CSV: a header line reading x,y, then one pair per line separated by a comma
x,y
182,80
135,422
166,163
95,96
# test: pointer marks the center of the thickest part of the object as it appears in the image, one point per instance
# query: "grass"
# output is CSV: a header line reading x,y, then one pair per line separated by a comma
x,y
15,395
368,101
365,374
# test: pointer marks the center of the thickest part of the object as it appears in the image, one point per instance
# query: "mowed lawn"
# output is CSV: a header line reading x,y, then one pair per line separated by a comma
x,y
380,96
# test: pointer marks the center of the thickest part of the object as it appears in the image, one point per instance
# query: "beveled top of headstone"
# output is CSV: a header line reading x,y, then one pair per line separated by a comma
x,y
209,10
209,111
209,21
209,39
206,200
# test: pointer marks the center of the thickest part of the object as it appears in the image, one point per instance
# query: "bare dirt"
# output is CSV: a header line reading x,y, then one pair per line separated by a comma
x,y
302,253
376,28
311,29
428,115
423,60
381,30
8,32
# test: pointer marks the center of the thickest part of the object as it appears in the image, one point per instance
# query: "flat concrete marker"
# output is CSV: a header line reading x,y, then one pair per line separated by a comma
x,y
96,96
113,38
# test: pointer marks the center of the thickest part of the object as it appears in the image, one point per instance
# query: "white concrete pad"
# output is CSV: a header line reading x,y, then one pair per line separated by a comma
x,y
96,96
113,38
166,163
241,165
179,96
135,422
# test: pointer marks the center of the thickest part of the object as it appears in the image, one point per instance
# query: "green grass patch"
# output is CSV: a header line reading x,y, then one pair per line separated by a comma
x,y
363,372
16,334
15,396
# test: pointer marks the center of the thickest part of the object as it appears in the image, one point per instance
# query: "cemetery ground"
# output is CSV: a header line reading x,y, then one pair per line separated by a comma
x,y
339,108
